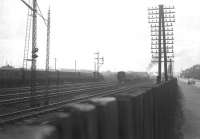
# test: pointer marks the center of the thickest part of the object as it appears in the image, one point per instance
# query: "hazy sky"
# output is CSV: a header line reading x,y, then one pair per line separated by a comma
x,y
118,29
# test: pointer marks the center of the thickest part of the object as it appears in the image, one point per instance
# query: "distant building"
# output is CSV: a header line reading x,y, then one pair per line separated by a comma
x,y
7,67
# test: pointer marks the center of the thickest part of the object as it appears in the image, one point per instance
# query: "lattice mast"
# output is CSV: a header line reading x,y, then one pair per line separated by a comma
x,y
161,19
27,39
35,8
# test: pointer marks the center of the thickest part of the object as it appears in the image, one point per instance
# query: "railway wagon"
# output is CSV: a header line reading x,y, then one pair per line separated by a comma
x,y
19,77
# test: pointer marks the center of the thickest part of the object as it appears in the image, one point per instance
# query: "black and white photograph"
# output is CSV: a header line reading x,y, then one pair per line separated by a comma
x,y
90,69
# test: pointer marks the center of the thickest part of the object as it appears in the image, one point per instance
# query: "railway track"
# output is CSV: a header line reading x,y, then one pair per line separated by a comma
x,y
64,87
18,90
14,104
26,88
79,97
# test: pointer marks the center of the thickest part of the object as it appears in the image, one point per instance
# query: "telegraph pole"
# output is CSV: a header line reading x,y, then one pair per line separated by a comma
x,y
159,49
170,69
95,70
164,42
48,42
99,61
55,66
75,66
161,19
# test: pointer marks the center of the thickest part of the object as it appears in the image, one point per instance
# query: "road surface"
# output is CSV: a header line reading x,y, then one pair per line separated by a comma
x,y
191,110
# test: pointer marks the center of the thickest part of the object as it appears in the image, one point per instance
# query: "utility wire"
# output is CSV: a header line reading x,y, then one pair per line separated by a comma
x,y
40,13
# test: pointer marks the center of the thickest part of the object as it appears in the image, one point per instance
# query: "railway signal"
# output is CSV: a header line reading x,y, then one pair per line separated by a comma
x,y
34,12
33,8
34,53
161,19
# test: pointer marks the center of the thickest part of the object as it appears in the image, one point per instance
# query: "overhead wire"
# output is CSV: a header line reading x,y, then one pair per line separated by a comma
x,y
41,15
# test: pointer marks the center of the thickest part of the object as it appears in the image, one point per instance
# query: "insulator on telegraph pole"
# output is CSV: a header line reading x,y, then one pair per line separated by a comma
x,y
161,19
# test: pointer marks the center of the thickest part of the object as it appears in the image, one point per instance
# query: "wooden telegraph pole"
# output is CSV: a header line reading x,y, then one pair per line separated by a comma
x,y
162,40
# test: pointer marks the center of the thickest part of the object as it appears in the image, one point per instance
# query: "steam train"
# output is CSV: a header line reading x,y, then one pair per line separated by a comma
x,y
121,77
127,77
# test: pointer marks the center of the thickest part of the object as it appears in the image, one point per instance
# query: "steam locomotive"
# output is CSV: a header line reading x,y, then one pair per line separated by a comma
x,y
126,77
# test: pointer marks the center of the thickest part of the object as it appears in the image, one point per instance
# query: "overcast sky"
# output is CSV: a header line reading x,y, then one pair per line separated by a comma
x,y
118,29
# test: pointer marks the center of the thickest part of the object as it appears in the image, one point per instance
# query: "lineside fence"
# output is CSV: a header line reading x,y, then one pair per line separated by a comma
x,y
145,114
